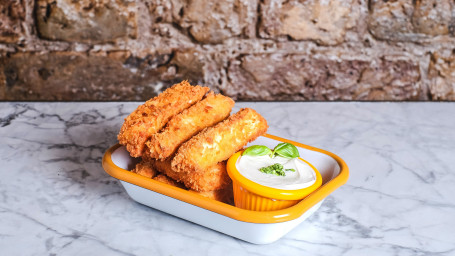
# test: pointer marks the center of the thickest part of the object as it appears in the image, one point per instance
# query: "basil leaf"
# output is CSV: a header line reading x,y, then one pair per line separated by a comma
x,y
286,150
257,150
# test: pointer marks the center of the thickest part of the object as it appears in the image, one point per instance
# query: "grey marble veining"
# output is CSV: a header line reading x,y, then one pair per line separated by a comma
x,y
55,198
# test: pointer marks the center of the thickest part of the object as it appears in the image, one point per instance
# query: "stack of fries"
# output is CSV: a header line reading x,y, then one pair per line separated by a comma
x,y
185,135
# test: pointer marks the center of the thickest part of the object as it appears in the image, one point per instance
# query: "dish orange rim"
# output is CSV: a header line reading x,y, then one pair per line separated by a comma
x,y
266,217
269,192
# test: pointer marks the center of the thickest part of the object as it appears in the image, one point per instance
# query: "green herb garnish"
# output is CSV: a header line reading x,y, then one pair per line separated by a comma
x,y
275,169
257,150
286,150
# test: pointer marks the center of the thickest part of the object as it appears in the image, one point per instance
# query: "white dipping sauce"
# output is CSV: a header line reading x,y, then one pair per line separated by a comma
x,y
304,176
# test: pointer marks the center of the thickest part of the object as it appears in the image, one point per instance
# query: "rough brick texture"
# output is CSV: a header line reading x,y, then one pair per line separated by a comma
x,y
442,77
85,21
215,21
12,14
66,76
250,50
415,21
325,22
302,77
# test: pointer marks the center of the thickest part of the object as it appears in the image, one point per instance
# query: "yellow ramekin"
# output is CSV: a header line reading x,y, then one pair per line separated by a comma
x,y
250,195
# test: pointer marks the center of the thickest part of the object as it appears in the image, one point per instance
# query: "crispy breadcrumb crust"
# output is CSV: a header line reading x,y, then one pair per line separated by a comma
x,y
217,143
207,112
150,117
165,179
224,195
175,155
213,178
145,169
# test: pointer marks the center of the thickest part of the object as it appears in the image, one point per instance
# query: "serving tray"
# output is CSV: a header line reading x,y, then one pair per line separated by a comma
x,y
251,226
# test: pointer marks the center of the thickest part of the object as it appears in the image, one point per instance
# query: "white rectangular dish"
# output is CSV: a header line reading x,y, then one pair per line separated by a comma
x,y
251,226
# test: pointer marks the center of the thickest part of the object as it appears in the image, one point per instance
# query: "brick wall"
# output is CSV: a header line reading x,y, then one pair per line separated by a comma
x,y
249,50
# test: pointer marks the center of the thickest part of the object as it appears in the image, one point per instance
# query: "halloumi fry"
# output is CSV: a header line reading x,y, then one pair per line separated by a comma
x,y
207,112
165,179
217,143
213,178
150,117
145,169
224,195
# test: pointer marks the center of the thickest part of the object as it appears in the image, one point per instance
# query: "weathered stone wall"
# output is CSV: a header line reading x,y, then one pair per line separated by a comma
x,y
247,49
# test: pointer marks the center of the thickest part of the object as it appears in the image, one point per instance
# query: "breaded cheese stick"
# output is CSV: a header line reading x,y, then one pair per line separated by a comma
x,y
224,195
207,112
145,169
165,179
213,178
150,117
217,143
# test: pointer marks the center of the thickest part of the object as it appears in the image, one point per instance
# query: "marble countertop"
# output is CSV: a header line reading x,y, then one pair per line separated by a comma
x,y
56,199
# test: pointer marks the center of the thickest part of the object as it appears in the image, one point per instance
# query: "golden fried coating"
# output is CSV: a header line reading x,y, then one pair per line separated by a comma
x,y
224,195
150,117
205,113
217,143
165,179
213,178
145,169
